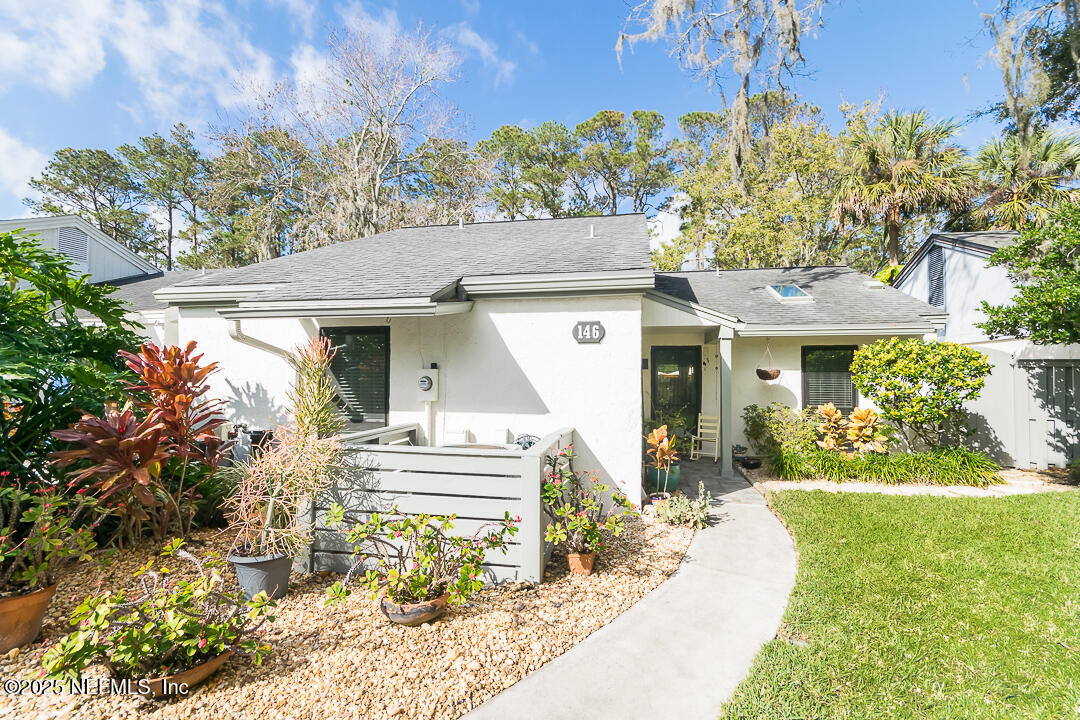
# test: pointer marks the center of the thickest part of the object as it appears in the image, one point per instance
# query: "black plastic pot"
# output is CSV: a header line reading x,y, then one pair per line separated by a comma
x,y
258,573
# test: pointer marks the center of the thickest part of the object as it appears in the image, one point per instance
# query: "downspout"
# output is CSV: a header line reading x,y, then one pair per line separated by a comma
x,y
237,334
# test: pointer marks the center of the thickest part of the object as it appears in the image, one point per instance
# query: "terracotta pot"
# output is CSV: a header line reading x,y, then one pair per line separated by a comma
x,y
414,613
21,616
581,563
768,373
182,682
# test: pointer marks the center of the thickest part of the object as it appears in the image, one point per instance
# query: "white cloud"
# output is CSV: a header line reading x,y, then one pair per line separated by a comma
x,y
382,29
185,56
301,11
21,162
474,43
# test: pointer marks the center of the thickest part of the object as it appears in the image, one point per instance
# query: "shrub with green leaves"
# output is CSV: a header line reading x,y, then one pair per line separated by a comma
x,y
578,507
938,466
171,625
776,427
681,510
53,367
417,558
921,386
40,533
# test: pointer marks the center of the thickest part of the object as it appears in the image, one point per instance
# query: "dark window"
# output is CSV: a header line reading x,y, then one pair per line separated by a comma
x,y
676,381
361,369
827,377
935,262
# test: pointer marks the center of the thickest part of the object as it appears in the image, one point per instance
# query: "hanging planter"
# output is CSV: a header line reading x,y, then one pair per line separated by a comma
x,y
767,371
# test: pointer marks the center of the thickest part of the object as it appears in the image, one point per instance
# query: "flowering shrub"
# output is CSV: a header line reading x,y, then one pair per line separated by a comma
x,y
40,532
574,502
417,559
170,626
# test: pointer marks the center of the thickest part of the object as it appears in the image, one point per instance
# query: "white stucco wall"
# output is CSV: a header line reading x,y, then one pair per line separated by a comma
x,y
507,367
749,389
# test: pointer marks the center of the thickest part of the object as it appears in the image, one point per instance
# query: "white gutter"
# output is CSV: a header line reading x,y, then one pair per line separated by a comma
x,y
203,294
581,283
392,307
796,330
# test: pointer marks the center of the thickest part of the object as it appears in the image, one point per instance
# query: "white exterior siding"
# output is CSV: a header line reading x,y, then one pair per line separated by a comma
x,y
749,389
507,367
968,282
1008,419
105,259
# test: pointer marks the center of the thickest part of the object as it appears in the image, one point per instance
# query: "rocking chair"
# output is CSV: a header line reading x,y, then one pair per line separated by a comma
x,y
708,431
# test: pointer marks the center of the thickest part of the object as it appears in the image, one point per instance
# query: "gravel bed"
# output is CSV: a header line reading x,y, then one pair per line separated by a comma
x,y
349,661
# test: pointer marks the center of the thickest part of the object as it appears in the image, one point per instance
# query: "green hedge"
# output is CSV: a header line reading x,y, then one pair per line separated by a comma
x,y
941,466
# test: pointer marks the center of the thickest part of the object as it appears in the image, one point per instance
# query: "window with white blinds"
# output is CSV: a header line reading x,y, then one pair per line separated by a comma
x,y
935,262
74,244
826,374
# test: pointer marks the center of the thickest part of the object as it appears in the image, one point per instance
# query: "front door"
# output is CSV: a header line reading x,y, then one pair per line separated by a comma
x,y
676,383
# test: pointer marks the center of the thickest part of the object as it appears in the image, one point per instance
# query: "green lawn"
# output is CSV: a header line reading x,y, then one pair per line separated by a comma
x,y
925,607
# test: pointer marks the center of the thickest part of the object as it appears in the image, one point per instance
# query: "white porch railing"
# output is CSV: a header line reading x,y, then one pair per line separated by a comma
x,y
479,485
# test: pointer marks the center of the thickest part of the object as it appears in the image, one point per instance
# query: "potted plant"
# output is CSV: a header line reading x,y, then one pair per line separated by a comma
x,y
274,487
664,473
40,533
166,638
420,567
574,502
265,511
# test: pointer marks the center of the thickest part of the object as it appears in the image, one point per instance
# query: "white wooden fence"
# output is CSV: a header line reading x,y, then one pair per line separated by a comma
x,y
479,485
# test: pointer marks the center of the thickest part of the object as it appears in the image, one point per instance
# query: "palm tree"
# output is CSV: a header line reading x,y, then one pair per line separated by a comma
x,y
901,166
1024,179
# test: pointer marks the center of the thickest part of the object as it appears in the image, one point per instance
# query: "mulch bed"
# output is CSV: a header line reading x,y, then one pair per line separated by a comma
x,y
350,661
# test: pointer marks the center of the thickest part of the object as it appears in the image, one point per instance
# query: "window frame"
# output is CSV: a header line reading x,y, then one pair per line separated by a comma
x,y
329,332
806,349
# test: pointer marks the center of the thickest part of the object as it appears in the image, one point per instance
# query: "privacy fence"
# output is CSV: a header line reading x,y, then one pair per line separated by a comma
x,y
387,469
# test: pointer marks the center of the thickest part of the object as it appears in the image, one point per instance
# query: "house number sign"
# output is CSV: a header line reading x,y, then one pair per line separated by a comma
x,y
589,331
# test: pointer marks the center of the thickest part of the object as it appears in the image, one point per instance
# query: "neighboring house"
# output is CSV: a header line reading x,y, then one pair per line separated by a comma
x,y
1029,413
90,251
94,253
534,326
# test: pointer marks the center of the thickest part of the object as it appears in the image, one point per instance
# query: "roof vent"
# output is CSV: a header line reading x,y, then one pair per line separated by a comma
x,y
460,222
873,285
73,243
592,232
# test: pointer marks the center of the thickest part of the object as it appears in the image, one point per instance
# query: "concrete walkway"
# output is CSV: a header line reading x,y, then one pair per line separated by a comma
x,y
682,649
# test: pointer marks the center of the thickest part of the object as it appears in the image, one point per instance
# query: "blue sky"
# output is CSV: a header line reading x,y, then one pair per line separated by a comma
x,y
99,73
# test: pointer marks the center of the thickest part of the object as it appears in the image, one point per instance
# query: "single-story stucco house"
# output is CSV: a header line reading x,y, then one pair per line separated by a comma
x,y
529,326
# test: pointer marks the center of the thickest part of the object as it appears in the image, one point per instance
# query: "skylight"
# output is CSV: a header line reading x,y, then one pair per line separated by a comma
x,y
790,293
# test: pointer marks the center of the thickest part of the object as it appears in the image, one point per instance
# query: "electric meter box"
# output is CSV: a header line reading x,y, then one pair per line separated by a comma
x,y
427,385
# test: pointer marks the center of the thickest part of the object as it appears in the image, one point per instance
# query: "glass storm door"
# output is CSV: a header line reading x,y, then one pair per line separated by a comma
x,y
676,382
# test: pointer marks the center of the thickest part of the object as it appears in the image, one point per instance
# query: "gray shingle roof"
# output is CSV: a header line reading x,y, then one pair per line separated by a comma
x,y
415,262
139,293
840,294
